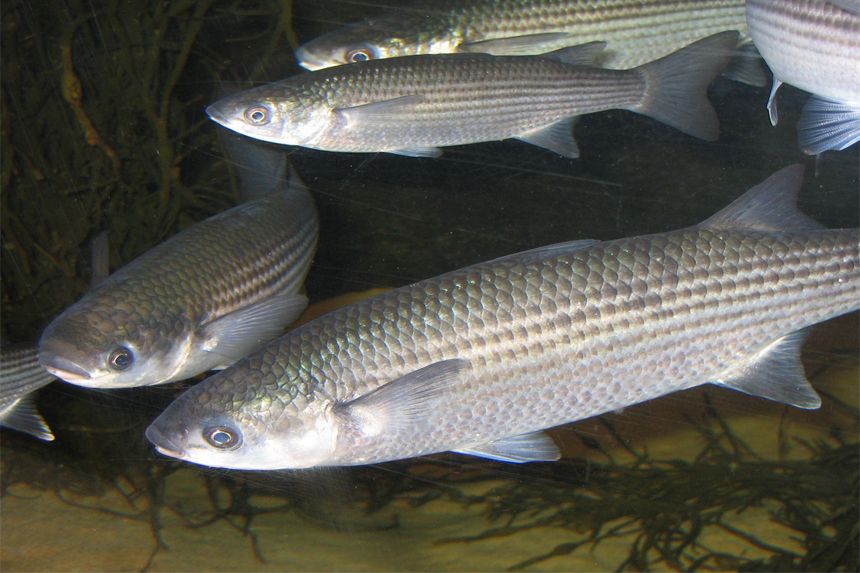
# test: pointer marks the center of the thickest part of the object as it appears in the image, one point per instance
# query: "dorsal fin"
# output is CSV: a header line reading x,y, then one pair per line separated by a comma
x,y
769,206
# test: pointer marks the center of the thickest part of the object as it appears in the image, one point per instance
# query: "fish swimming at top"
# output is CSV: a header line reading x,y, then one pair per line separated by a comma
x,y
635,31
481,360
199,301
20,376
416,104
813,45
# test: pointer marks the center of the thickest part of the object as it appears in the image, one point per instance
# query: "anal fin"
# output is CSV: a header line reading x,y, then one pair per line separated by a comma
x,y
775,373
556,137
524,448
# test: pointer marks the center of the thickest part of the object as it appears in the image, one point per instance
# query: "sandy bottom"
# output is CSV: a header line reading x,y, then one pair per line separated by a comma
x,y
43,530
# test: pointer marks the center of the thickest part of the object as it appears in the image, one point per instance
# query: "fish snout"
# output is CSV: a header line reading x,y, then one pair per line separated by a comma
x,y
63,368
309,60
162,441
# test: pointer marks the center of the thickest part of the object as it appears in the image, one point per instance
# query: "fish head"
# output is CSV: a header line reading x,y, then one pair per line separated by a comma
x,y
240,419
278,113
361,42
107,342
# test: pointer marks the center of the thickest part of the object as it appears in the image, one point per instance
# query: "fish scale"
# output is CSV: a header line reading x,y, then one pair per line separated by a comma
x,y
481,359
621,329
636,31
198,301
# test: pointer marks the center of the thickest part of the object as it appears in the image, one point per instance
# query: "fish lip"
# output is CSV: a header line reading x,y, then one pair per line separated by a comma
x,y
306,60
163,445
64,368
214,113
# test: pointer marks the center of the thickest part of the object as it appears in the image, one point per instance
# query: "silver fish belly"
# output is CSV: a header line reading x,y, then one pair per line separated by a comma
x,y
198,301
814,45
480,360
635,31
414,105
20,376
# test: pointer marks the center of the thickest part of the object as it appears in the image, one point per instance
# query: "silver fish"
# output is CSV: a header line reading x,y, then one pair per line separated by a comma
x,y
635,31
20,376
480,360
413,105
199,301
813,45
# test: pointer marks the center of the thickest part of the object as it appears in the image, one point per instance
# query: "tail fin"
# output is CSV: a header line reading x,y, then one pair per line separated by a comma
x,y
677,85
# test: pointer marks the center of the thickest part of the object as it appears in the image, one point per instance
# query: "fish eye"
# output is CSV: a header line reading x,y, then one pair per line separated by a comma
x,y
120,359
257,115
222,437
359,55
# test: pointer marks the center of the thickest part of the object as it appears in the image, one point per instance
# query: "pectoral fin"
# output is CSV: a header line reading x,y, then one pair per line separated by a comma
x,y
237,334
404,401
532,447
775,373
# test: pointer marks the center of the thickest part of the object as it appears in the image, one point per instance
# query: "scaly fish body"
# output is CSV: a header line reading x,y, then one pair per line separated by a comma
x,y
413,105
635,31
478,360
200,300
20,376
814,45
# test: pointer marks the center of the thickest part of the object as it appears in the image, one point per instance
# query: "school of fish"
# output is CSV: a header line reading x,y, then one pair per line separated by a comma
x,y
481,360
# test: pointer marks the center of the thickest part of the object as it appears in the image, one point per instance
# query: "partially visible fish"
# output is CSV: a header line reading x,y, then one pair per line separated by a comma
x,y
20,376
481,360
199,301
635,31
416,104
813,45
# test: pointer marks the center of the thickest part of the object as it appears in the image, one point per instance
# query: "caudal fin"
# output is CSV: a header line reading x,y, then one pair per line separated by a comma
x,y
676,89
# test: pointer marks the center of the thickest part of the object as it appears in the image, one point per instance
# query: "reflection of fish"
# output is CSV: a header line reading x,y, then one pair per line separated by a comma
x,y
20,376
414,105
201,300
635,31
814,45
482,359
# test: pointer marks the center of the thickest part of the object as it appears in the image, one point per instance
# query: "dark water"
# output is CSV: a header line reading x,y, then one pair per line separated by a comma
x,y
704,479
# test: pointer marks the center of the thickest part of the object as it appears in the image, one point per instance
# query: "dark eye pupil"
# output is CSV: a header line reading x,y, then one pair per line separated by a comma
x,y
121,358
257,115
359,56
221,437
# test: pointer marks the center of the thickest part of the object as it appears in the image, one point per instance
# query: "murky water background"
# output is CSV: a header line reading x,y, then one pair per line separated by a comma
x,y
705,479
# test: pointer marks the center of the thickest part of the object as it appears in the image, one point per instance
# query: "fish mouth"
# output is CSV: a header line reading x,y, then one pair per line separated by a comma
x,y
216,114
308,61
64,368
163,445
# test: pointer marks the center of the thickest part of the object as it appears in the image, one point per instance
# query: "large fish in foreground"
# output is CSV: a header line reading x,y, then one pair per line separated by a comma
x,y
200,300
813,45
480,360
416,104
635,31
20,376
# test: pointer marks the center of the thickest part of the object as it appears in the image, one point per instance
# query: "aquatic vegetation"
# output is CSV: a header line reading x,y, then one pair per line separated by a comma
x,y
668,509
103,129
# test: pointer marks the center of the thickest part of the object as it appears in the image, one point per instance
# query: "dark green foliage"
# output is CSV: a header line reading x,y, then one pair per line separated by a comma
x,y
103,129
